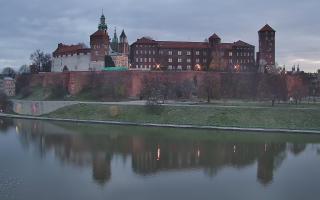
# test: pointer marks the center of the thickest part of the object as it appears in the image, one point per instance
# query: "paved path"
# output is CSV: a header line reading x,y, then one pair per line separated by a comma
x,y
38,108
237,129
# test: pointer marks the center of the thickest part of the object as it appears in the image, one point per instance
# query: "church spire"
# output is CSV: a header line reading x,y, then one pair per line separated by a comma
x,y
102,26
115,41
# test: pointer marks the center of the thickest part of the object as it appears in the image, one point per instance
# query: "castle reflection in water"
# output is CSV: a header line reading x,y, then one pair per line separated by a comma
x,y
150,153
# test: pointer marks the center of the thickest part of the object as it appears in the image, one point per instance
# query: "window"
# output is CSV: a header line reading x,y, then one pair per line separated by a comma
x,y
149,59
149,52
179,67
204,53
197,53
204,60
188,67
141,52
188,60
137,66
170,67
161,52
137,52
197,60
230,54
188,53
170,60
154,52
141,60
170,53
179,53
179,60
137,59
145,60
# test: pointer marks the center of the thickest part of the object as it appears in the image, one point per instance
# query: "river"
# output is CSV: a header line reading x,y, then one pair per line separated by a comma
x,y
66,161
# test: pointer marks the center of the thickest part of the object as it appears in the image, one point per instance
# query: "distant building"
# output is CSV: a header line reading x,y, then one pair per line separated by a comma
x,y
266,55
149,54
81,58
8,86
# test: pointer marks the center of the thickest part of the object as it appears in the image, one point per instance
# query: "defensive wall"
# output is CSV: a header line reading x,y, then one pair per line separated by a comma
x,y
133,81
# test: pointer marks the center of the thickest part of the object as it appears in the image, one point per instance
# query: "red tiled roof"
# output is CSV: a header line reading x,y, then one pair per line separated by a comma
x,y
177,44
267,28
70,49
99,33
145,40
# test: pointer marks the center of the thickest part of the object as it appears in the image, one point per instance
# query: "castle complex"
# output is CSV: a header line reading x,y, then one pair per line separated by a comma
x,y
149,54
80,58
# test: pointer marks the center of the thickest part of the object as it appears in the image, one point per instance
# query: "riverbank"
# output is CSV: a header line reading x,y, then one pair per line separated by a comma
x,y
240,117
175,126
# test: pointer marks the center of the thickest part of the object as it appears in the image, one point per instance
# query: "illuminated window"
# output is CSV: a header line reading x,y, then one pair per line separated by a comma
x,y
179,53
170,53
170,60
188,53
179,60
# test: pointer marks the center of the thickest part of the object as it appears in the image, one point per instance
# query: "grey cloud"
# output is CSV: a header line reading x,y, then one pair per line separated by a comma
x,y
29,25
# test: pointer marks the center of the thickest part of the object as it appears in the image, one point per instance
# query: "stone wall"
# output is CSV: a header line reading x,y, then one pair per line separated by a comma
x,y
240,85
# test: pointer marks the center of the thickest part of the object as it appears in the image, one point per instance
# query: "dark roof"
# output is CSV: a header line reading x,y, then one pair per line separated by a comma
x,y
64,49
177,44
123,35
145,40
242,44
214,36
267,28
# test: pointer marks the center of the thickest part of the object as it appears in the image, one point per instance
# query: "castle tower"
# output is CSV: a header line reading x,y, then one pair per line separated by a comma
x,y
123,45
99,43
214,40
115,41
266,55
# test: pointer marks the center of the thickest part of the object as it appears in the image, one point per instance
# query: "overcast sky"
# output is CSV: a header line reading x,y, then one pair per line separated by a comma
x,y
27,25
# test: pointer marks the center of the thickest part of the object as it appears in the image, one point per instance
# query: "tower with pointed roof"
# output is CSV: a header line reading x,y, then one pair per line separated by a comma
x,y
266,55
103,25
123,45
100,44
115,41
214,40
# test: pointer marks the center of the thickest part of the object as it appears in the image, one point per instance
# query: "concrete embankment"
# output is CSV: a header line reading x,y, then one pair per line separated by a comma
x,y
236,129
37,108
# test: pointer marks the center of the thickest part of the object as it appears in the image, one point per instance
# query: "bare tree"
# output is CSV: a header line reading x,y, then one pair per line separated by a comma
x,y
41,61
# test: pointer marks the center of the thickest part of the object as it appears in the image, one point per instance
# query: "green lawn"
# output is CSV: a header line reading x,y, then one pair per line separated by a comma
x,y
237,117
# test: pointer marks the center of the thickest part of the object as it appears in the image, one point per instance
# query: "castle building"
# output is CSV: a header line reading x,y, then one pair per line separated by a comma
x,y
266,55
81,58
149,54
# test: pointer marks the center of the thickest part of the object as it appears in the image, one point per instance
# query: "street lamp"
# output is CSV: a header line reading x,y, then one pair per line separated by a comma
x,y
198,67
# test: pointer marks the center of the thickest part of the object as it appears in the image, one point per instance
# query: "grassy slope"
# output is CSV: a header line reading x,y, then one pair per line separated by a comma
x,y
238,117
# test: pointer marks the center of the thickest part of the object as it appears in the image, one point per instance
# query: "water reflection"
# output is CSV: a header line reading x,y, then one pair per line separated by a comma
x,y
151,153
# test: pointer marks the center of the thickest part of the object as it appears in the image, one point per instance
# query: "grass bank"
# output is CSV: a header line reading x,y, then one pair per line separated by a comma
x,y
203,116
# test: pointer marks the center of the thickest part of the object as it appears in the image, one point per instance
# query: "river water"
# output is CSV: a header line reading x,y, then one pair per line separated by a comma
x,y
66,161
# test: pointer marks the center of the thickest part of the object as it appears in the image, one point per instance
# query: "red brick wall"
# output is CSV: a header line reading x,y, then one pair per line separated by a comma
x,y
133,80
